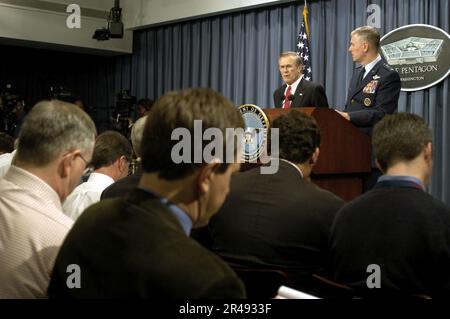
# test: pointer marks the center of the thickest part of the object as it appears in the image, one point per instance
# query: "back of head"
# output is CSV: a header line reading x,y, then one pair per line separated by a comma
x,y
136,135
179,110
299,136
110,146
399,137
51,129
146,103
368,34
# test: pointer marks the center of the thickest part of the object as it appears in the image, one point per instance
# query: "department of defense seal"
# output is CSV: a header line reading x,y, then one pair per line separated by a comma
x,y
255,132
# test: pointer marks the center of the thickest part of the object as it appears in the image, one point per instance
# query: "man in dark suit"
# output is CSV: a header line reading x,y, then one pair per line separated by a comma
x,y
297,91
395,239
375,86
125,185
280,220
139,246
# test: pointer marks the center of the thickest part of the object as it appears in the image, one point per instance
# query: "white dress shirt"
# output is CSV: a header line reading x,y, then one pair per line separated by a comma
x,y
5,162
369,66
293,86
86,194
32,229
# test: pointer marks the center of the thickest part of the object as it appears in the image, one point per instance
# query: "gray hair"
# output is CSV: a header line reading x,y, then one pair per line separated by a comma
x,y
298,59
369,35
53,128
136,135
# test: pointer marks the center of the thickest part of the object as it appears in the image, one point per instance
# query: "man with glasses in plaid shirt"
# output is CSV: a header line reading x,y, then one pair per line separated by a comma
x,y
55,142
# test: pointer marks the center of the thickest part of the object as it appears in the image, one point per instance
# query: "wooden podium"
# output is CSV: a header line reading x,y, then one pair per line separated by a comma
x,y
345,152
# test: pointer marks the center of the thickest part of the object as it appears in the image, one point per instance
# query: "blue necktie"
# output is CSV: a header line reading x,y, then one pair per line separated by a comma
x,y
360,76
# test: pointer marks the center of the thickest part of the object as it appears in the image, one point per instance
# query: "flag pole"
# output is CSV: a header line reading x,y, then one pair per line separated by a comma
x,y
303,45
305,17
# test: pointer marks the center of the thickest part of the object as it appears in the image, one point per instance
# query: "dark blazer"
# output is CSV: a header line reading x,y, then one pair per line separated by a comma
x,y
123,186
134,247
278,221
402,229
365,106
307,94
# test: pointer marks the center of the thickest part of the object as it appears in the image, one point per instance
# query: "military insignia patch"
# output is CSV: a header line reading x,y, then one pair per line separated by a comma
x,y
371,87
367,102
255,135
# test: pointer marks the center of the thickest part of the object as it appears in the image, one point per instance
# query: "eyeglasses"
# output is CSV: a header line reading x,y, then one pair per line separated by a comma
x,y
89,169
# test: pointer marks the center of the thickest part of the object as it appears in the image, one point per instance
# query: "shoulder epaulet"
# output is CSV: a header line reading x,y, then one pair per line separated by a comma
x,y
388,67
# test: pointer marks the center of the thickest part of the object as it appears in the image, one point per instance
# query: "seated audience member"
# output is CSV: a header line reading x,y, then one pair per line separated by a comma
x,y
6,152
144,106
5,162
6,143
138,246
110,161
55,144
125,185
79,102
20,113
279,220
395,239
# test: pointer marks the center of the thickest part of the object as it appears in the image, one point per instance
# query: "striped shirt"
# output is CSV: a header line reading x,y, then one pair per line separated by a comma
x,y
32,229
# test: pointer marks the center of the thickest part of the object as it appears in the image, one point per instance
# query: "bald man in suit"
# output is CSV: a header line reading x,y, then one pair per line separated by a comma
x,y
297,91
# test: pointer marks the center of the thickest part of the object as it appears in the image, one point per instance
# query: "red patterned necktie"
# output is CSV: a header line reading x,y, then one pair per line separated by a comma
x,y
287,102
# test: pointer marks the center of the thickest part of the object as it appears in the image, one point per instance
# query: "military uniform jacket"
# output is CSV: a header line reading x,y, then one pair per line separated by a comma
x,y
376,96
307,94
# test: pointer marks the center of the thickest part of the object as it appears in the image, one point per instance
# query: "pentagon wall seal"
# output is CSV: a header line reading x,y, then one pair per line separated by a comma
x,y
420,53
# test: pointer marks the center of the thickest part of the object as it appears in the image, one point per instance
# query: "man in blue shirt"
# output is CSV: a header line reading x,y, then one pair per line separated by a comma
x,y
396,228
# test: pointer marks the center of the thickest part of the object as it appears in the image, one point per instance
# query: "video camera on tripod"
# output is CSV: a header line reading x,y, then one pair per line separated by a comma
x,y
62,93
122,115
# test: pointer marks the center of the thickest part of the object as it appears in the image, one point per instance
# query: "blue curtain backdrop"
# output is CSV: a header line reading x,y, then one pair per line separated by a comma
x,y
237,54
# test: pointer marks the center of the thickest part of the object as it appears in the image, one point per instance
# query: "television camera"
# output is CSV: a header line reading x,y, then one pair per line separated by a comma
x,y
123,111
11,109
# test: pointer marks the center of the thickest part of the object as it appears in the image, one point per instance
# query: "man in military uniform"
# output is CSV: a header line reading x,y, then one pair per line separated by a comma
x,y
375,86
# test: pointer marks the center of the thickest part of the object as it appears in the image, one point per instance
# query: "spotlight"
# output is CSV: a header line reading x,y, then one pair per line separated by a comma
x,y
101,34
115,25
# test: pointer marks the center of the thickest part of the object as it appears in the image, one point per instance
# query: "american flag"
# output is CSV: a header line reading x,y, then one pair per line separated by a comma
x,y
303,45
